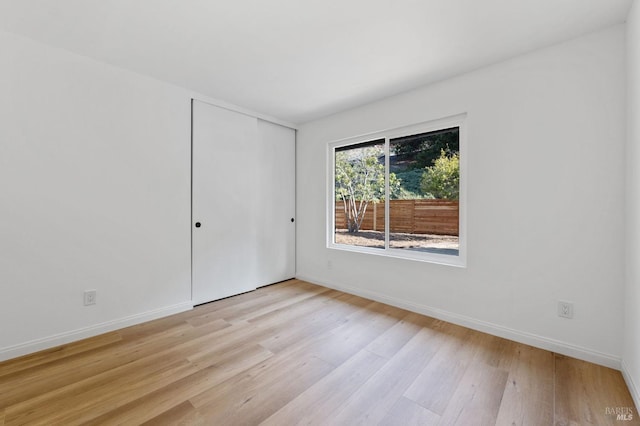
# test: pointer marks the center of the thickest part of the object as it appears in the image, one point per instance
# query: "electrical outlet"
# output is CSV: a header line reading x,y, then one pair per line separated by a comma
x,y
89,297
565,309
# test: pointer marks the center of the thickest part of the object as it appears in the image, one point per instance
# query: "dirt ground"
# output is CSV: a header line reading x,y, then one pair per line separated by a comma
x,y
397,240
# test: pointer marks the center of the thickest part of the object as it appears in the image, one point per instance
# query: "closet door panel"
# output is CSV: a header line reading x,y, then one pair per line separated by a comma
x,y
276,199
224,225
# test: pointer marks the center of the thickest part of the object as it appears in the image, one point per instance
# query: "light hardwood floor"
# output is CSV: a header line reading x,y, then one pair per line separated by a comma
x,y
296,353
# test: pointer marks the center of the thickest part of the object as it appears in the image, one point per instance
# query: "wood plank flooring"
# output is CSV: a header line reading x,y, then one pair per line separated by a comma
x,y
297,353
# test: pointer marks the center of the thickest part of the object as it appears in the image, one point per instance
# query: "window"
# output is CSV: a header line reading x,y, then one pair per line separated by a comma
x,y
359,173
401,193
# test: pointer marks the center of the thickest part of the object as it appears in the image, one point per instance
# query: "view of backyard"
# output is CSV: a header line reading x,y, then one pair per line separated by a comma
x,y
445,244
423,182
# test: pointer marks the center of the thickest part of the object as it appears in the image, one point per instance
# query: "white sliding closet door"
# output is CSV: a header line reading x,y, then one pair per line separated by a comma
x,y
276,200
224,203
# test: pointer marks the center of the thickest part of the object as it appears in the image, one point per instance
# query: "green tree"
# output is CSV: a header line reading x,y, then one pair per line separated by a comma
x,y
442,180
419,151
359,176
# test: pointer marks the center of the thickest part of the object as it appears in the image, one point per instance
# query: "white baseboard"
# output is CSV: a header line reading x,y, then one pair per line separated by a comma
x,y
634,390
94,330
541,342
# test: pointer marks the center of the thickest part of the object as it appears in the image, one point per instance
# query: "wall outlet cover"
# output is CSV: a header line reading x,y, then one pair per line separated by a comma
x,y
565,309
89,297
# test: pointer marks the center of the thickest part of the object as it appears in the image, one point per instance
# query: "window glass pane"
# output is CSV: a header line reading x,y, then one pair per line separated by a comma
x,y
359,194
424,183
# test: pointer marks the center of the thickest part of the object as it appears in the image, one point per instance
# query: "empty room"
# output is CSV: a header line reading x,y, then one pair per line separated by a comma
x,y
320,212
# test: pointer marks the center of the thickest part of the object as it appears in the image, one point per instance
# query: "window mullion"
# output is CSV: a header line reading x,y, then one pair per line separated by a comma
x,y
387,195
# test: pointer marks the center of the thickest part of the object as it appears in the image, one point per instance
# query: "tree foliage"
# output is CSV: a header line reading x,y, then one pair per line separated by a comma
x,y
424,149
442,180
359,180
410,185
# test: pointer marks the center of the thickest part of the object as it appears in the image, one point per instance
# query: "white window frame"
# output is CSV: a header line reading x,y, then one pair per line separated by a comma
x,y
429,126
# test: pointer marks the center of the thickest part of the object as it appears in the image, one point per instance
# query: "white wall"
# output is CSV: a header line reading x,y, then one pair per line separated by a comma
x,y
545,200
94,194
631,354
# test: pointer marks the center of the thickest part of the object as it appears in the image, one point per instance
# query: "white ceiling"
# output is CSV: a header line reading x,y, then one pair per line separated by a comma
x,y
298,60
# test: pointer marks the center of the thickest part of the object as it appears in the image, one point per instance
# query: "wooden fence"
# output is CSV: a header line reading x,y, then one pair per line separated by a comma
x,y
408,216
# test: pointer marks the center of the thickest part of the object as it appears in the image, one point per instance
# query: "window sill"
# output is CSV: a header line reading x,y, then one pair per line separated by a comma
x,y
458,261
